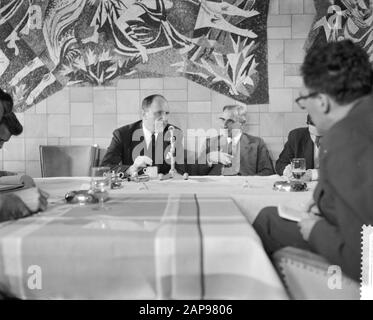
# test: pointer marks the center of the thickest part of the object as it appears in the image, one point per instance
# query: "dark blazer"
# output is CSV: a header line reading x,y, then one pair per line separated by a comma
x,y
254,157
299,145
128,142
345,191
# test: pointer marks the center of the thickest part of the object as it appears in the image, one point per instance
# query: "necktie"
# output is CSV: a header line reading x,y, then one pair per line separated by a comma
x,y
230,151
153,148
317,141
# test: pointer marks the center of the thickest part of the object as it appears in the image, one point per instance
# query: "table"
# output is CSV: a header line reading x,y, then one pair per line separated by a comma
x,y
162,240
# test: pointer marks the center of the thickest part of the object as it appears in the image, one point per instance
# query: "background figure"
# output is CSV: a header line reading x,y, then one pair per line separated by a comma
x,y
338,79
302,143
28,201
146,142
235,152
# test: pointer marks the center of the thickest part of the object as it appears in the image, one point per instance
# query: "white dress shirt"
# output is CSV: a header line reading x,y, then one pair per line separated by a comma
x,y
316,162
148,135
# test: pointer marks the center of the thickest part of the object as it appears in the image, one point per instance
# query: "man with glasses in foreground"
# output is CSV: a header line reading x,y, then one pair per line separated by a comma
x,y
235,152
146,142
337,95
301,143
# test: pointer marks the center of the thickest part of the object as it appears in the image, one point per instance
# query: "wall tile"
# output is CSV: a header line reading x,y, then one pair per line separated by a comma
x,y
276,75
275,51
33,169
82,114
125,119
291,6
35,126
199,121
293,82
81,94
81,131
301,25
59,102
294,52
274,7
196,92
176,95
104,125
14,150
309,7
178,106
275,146
104,101
281,100
58,126
279,20
294,120
279,33
172,83
271,124
218,101
15,166
41,107
128,101
203,106
151,84
32,148
81,141
128,84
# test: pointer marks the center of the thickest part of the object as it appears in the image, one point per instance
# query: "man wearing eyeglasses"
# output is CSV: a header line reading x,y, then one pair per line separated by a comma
x,y
301,143
235,152
338,96
146,142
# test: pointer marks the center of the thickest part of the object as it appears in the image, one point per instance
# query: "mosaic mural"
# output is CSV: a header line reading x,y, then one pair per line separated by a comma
x,y
344,19
47,45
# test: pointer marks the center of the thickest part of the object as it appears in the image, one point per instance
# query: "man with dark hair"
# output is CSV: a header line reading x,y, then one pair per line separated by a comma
x,y
146,142
337,96
235,152
302,143
25,202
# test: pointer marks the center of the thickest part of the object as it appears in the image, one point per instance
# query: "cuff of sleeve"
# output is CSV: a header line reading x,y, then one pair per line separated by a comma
x,y
315,174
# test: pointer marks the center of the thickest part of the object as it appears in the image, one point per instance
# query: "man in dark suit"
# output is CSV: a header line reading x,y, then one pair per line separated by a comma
x,y
337,95
146,142
235,152
302,143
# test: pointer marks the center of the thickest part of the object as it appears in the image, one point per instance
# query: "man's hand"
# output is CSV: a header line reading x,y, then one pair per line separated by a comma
x,y
306,225
34,199
287,172
220,157
139,163
22,204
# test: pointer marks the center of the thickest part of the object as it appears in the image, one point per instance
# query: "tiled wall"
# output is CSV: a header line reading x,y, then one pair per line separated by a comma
x,y
80,115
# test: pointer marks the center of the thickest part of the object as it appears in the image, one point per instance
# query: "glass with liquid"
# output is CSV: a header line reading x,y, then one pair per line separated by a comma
x,y
100,184
298,168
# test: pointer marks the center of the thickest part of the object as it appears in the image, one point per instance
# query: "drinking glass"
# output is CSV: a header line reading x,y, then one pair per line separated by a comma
x,y
100,183
298,168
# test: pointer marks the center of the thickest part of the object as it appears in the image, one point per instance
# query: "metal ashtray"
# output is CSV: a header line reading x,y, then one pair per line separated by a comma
x,y
81,196
290,186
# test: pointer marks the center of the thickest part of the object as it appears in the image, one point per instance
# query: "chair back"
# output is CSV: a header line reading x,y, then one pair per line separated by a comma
x,y
67,161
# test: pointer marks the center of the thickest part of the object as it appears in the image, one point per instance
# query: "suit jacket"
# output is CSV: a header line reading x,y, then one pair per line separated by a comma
x,y
299,145
344,194
254,157
128,142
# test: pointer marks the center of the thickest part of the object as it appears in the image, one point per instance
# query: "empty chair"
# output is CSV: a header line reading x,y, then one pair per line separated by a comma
x,y
67,161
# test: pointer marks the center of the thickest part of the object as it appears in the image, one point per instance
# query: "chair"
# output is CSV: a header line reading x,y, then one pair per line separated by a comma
x,y
100,156
67,161
305,276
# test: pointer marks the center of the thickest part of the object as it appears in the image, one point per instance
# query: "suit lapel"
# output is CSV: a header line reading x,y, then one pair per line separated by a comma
x,y
308,152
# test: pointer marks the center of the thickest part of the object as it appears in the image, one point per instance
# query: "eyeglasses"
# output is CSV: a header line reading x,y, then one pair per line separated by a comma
x,y
301,98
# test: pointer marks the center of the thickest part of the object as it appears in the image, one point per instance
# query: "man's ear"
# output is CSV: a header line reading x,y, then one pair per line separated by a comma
x,y
323,103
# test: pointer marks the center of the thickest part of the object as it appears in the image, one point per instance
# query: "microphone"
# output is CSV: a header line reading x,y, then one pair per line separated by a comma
x,y
172,171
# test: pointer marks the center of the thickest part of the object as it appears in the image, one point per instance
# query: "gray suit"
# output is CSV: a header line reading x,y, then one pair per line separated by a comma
x,y
254,157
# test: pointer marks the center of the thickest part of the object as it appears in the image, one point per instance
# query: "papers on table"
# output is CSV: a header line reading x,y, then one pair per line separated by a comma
x,y
289,213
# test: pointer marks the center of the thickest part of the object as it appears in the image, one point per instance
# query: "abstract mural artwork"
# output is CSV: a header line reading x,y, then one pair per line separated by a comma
x,y
344,19
46,45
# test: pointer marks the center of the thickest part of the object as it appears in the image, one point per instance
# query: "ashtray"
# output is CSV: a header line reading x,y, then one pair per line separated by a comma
x,y
81,196
290,186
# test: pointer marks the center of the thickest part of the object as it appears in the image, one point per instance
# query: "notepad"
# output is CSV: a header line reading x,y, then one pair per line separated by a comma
x,y
289,213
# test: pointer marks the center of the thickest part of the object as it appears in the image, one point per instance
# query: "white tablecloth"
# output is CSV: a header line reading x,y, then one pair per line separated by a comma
x,y
165,239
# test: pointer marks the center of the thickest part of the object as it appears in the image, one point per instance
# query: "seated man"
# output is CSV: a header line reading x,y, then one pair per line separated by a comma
x,y
302,143
235,152
145,142
337,95
25,202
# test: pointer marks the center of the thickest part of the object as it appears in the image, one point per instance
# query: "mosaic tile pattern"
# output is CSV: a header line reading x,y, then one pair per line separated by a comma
x,y
47,45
